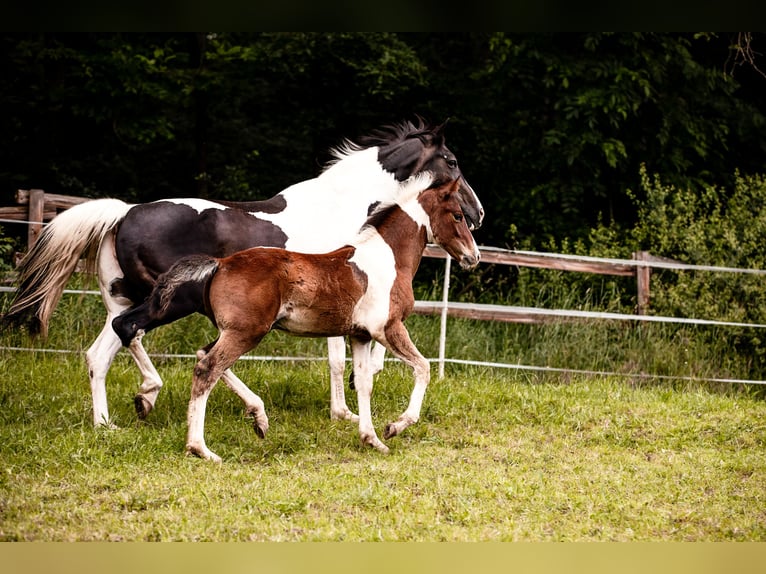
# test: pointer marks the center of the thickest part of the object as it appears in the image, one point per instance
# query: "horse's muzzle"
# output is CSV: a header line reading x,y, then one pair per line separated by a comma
x,y
469,261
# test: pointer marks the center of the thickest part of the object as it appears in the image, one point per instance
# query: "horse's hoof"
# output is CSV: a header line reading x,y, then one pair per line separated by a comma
x,y
351,381
376,443
203,453
260,429
390,431
106,425
344,415
260,424
143,407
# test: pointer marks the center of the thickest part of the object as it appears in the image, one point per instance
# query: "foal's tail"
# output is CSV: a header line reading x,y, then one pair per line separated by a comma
x,y
46,268
191,272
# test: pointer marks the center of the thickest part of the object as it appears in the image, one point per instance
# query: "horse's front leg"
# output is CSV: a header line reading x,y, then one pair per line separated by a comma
x,y
399,342
152,382
336,349
360,350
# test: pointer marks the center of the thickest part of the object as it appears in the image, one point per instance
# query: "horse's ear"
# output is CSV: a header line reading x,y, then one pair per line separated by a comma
x,y
437,133
446,191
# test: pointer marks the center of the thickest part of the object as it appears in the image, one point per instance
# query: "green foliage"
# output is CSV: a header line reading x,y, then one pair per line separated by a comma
x,y
711,226
550,129
7,248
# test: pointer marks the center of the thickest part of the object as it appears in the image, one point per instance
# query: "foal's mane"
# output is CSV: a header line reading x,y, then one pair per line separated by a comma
x,y
383,136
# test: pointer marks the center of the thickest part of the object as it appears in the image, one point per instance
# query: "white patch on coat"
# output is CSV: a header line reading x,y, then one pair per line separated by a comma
x,y
374,257
195,203
326,213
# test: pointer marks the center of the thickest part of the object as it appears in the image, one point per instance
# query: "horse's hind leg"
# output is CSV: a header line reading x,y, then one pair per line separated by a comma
x,y
152,382
99,358
363,383
100,354
254,405
208,370
336,348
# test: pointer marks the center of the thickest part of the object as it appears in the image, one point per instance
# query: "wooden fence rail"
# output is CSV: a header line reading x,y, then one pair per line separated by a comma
x,y
642,273
35,206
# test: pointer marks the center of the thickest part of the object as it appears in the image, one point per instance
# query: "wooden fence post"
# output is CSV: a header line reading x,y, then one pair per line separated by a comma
x,y
36,215
643,273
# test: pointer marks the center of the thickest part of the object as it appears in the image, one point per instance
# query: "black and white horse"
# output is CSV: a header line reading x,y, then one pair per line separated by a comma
x,y
133,244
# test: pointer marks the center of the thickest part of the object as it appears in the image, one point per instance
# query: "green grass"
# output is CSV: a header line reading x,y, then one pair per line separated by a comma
x,y
498,454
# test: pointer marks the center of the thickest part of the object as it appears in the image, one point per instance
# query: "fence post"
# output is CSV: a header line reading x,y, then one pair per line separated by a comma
x,y
643,273
443,328
36,215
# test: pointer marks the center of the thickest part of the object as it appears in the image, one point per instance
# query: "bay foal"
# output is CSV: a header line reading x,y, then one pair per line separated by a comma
x,y
362,290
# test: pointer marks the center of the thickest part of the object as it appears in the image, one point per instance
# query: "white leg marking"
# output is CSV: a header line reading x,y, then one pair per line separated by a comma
x,y
195,437
253,403
363,383
378,356
99,358
152,383
336,348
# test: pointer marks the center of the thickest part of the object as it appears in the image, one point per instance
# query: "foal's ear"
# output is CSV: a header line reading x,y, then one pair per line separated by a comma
x,y
446,191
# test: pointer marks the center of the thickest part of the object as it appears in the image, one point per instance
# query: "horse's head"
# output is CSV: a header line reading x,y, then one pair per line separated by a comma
x,y
409,149
449,228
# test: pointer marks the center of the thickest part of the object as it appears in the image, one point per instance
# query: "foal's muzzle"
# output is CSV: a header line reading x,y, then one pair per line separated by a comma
x,y
470,261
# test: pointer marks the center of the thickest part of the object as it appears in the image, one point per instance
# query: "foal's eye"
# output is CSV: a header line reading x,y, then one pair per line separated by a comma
x,y
458,217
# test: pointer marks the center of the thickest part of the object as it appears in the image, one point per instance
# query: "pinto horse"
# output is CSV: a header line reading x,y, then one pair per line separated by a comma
x,y
131,245
362,290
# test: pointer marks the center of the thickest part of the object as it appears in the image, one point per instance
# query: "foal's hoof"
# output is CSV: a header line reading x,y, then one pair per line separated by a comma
x,y
143,407
203,452
351,381
260,424
390,431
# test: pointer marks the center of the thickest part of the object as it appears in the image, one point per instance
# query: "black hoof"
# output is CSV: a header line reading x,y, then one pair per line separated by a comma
x,y
140,404
389,431
351,381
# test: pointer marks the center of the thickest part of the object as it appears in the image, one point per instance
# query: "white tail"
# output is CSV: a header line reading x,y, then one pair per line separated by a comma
x,y
45,270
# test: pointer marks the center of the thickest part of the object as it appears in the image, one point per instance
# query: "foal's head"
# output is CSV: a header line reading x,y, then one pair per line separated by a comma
x,y
449,227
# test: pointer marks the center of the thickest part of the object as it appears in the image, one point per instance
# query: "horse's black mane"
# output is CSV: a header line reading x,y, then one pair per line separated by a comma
x,y
381,211
395,133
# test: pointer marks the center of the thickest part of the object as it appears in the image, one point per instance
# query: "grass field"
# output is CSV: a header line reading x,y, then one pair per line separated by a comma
x,y
497,456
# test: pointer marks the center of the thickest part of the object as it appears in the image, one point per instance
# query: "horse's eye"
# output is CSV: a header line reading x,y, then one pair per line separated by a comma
x,y
458,216
451,162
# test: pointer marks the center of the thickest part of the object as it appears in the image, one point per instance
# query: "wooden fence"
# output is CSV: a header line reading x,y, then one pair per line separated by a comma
x,y
35,207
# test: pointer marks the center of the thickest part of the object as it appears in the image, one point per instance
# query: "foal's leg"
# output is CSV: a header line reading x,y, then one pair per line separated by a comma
x,y
254,406
206,374
336,347
360,350
377,356
399,342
